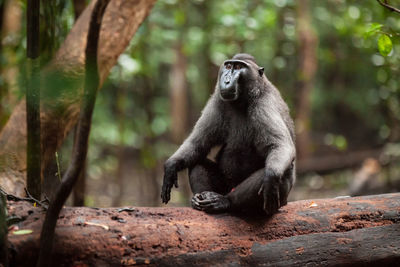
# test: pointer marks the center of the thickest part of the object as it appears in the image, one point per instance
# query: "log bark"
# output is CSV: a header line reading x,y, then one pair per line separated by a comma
x,y
343,231
62,88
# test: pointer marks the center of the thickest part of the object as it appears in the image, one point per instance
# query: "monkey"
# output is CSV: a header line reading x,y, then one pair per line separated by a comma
x,y
256,166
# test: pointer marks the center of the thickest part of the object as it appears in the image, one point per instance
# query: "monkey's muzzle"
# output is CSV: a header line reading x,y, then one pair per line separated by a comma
x,y
228,88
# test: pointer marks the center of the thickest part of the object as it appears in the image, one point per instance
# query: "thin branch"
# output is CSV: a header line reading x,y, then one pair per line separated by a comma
x,y
80,149
391,8
33,100
31,199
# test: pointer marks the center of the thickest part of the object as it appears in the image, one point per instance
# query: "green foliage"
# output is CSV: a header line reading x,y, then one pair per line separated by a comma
x,y
373,29
384,45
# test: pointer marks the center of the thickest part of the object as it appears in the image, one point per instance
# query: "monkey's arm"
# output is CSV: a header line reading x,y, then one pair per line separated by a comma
x,y
276,184
206,133
276,143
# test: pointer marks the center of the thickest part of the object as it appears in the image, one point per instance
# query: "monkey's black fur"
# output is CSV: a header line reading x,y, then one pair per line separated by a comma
x,y
255,167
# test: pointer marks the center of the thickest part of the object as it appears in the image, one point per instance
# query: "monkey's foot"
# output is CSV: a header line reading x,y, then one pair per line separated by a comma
x,y
210,202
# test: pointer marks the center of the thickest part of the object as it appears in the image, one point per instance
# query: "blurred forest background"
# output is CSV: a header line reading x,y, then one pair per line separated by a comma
x,y
336,63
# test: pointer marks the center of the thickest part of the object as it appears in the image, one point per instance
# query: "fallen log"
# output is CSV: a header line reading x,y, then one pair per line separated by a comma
x,y
330,163
342,231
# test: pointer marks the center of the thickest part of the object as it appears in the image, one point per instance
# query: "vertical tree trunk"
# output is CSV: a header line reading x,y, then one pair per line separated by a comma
x,y
307,68
179,96
80,186
2,87
11,28
52,12
280,38
120,113
33,101
3,231
179,106
210,70
79,6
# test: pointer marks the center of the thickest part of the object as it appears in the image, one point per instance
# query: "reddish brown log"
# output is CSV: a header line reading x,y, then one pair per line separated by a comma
x,y
335,232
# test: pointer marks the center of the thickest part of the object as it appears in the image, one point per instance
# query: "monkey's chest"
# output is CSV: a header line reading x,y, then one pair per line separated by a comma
x,y
238,159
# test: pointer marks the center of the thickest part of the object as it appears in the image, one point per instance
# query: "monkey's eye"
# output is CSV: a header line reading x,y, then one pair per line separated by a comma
x,y
238,67
228,66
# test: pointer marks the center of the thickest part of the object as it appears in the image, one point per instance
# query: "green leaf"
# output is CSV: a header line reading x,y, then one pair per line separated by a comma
x,y
373,29
23,232
179,17
385,45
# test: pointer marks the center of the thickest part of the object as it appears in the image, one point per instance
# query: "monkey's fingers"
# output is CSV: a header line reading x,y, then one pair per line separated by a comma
x,y
200,202
271,200
163,193
201,206
169,192
176,182
265,195
264,190
196,200
207,201
260,190
206,206
195,204
166,193
216,207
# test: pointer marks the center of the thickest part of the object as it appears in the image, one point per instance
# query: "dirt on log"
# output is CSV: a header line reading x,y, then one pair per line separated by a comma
x,y
330,232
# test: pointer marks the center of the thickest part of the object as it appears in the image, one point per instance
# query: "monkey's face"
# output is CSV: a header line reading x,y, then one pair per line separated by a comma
x,y
231,76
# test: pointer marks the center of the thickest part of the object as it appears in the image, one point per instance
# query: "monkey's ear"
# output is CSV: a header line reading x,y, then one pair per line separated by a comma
x,y
261,71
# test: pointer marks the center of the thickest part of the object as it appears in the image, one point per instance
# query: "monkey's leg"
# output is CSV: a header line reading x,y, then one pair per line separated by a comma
x,y
206,177
289,177
247,196
209,187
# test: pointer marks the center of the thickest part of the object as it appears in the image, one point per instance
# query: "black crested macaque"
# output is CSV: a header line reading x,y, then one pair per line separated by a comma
x,y
255,167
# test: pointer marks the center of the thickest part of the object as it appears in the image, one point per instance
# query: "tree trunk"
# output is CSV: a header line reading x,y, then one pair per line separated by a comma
x,y
62,89
11,20
180,108
307,68
330,232
34,183
79,7
80,186
2,87
179,96
3,231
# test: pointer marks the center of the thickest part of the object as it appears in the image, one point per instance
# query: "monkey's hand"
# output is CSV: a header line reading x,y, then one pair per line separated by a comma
x,y
270,192
170,179
210,202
